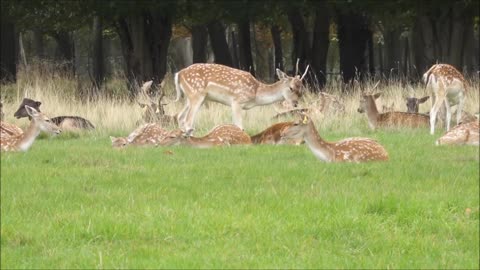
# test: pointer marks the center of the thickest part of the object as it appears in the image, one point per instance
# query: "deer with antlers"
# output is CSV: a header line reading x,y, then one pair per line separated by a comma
x,y
153,108
272,135
465,133
389,119
347,150
232,87
448,87
22,142
220,135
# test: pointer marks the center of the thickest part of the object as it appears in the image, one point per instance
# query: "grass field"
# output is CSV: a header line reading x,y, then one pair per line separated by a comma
x,y
76,203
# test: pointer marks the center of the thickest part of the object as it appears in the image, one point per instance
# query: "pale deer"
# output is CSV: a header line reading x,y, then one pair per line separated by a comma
x,y
220,135
350,150
413,102
465,133
389,119
232,87
151,134
66,123
448,87
22,142
153,108
272,135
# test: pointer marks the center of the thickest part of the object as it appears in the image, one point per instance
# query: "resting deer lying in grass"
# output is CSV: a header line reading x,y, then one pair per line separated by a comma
x,y
448,87
153,111
389,119
350,150
219,136
66,123
151,134
22,142
323,103
7,129
272,135
465,133
232,87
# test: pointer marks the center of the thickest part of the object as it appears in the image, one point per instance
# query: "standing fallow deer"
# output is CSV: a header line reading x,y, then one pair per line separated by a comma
x,y
153,108
465,133
350,150
66,123
22,142
389,119
232,87
412,106
272,135
449,87
151,134
220,135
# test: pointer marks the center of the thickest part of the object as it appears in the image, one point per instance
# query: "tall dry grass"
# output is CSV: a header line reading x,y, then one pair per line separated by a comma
x,y
113,113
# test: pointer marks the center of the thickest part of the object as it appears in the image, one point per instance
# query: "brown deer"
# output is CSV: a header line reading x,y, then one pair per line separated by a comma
x,y
232,87
412,107
449,87
413,103
219,136
151,134
154,111
350,150
272,135
66,123
22,142
7,129
465,133
389,119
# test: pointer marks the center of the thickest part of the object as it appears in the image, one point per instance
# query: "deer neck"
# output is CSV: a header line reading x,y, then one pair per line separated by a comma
x,y
29,136
372,113
270,93
320,148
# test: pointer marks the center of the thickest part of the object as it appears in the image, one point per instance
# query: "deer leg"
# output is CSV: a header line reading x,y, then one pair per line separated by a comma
x,y
461,104
448,110
183,113
192,112
433,114
237,114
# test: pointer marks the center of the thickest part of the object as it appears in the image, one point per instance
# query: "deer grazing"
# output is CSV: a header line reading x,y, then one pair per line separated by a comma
x,y
151,134
219,136
465,133
232,87
154,111
389,119
349,150
66,123
272,135
22,142
449,87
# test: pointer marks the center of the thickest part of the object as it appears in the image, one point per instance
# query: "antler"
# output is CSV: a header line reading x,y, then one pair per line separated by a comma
x,y
375,86
306,70
296,66
144,91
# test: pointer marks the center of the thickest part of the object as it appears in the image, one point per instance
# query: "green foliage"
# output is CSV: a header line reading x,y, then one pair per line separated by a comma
x,y
77,203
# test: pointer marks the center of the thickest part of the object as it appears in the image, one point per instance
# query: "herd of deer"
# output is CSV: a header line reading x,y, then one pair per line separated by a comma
x,y
241,91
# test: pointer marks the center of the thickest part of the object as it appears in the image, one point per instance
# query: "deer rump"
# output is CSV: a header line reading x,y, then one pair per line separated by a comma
x,y
73,121
403,119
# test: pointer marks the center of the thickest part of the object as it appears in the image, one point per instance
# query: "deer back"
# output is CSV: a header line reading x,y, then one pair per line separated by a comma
x,y
403,119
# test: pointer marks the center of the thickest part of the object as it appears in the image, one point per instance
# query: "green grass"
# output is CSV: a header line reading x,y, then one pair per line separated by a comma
x,y
77,203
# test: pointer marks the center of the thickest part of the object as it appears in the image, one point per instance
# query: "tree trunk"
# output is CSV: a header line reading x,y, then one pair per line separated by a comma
x,y
353,34
219,44
300,39
65,50
320,45
8,60
245,48
277,45
234,50
97,65
38,44
199,43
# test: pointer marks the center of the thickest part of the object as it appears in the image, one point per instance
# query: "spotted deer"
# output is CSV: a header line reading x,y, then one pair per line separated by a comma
x,y
412,106
389,119
465,133
232,87
220,135
349,150
448,87
272,135
66,123
22,142
151,134
153,108
323,103
7,129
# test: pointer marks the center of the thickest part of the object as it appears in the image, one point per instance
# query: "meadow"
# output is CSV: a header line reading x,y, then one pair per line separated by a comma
x,y
72,201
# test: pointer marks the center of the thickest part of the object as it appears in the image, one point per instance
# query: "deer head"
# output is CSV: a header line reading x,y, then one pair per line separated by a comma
x,y
42,121
22,112
152,110
413,103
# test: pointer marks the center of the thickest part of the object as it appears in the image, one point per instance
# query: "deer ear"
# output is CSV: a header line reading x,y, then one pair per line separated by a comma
x,y
31,111
281,75
423,99
377,95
